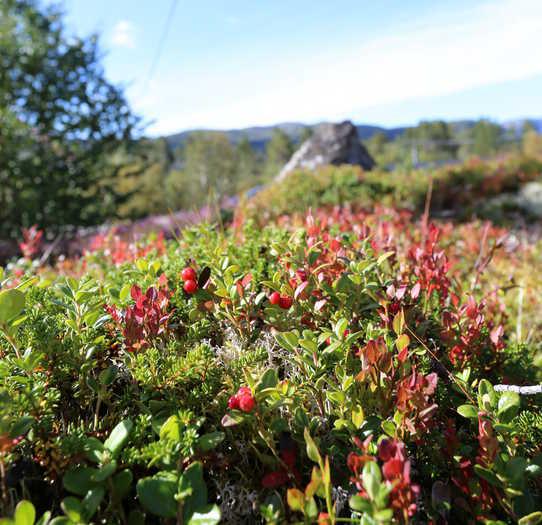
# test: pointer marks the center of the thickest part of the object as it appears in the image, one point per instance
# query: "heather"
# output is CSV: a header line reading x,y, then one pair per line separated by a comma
x,y
340,364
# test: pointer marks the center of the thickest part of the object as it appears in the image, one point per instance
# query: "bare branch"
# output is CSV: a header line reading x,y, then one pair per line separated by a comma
x,y
522,390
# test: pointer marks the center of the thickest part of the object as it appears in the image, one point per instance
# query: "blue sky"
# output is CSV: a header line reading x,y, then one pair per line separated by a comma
x,y
231,64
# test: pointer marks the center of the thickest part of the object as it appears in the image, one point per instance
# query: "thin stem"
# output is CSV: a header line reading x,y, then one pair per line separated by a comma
x,y
10,340
96,412
450,375
3,481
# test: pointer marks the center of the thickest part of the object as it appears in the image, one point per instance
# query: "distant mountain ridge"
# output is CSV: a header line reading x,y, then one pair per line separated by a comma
x,y
258,136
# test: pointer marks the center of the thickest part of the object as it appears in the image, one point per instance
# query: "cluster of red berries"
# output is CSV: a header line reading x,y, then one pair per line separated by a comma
x,y
189,277
243,400
284,301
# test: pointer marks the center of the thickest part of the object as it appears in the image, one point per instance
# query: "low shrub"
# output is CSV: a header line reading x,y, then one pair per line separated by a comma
x,y
331,367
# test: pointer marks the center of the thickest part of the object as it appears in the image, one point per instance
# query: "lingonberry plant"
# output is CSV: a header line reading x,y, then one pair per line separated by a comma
x,y
337,366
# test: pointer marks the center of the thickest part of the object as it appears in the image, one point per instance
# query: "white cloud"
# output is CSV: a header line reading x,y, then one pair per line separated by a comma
x,y
123,34
493,42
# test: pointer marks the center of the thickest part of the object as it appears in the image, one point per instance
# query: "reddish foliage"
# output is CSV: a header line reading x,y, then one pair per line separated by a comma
x,y
396,472
121,251
32,238
430,265
375,358
146,319
414,401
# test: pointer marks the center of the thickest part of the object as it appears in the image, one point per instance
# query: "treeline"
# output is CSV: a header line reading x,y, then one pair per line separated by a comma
x,y
440,141
71,152
61,124
207,168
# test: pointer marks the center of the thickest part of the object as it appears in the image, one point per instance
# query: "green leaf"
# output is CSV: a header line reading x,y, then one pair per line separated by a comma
x,y
210,441
268,380
79,480
383,257
311,509
358,416
312,449
108,375
340,327
12,303
125,292
487,397
92,501
508,407
136,517
157,495
329,349
72,508
118,437
296,499
230,420
191,483
402,342
488,475
172,429
21,426
531,519
94,449
399,322
384,515
309,344
360,504
371,478
25,513
515,471
44,520
122,483
105,471
468,411
209,515
142,265
388,427
288,340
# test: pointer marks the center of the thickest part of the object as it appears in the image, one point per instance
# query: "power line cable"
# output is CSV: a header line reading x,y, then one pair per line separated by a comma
x,y
161,42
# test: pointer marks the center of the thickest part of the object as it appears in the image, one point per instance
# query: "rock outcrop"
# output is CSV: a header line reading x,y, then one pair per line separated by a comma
x,y
329,144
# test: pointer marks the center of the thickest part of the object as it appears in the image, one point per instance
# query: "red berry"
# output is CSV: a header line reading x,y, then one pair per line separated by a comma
x,y
289,457
247,403
285,302
274,298
243,400
190,286
188,274
272,480
244,391
233,403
